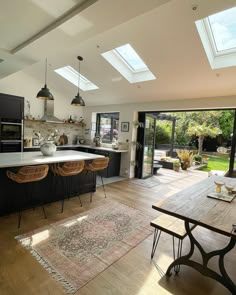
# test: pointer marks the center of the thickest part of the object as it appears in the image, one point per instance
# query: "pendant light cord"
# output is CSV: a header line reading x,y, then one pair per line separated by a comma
x,y
79,77
46,65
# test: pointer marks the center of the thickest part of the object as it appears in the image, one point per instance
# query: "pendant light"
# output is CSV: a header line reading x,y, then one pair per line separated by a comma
x,y
78,100
44,93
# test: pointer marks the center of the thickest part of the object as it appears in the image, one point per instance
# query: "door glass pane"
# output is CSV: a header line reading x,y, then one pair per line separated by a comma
x,y
148,150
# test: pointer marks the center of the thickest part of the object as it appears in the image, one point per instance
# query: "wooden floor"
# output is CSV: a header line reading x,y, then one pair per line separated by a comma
x,y
134,273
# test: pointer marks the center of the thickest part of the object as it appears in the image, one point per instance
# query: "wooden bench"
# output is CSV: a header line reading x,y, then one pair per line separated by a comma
x,y
173,226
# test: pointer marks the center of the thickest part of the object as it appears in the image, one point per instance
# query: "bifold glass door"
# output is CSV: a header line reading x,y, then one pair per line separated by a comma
x,y
146,140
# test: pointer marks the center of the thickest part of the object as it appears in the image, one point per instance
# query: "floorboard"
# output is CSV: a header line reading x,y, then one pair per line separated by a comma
x,y
134,273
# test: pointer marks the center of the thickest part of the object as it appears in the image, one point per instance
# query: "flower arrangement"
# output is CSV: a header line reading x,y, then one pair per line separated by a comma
x,y
51,136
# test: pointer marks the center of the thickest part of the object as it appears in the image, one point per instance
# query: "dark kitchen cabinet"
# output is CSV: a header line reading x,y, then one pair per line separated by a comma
x,y
113,168
11,107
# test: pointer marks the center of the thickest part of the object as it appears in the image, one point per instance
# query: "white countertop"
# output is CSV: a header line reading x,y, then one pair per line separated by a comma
x,y
103,148
36,158
83,145
58,146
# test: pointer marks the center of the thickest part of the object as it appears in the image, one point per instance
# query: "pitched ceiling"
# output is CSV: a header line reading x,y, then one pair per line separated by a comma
x,y
163,32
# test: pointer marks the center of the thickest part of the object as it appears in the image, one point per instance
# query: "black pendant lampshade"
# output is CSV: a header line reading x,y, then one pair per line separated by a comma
x,y
78,100
45,93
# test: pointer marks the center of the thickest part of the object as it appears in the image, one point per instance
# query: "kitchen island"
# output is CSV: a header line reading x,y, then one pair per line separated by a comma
x,y
114,155
50,189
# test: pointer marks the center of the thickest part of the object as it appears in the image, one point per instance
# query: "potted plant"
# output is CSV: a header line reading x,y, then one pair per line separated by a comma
x,y
186,158
198,159
176,165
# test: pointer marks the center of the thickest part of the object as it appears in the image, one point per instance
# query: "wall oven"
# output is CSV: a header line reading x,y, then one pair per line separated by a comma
x,y
10,146
11,135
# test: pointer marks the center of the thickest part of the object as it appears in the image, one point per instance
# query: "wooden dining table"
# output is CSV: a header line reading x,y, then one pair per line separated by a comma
x,y
193,206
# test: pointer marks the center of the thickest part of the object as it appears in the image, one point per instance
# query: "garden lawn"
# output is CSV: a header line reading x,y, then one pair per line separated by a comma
x,y
216,163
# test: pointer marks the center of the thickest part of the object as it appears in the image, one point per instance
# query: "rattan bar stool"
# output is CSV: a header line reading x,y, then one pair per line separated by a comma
x,y
97,165
66,170
28,175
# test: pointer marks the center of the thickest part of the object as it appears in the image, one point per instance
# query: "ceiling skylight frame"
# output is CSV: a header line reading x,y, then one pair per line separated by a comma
x,y
212,40
125,69
127,63
72,75
217,58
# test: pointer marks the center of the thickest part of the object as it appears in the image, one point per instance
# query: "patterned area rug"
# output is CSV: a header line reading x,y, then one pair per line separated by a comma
x,y
77,249
149,182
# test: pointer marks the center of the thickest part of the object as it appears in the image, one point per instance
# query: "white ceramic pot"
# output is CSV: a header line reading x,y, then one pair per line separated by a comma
x,y
48,148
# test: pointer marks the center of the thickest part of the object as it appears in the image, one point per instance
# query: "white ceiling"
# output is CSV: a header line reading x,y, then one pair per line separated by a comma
x,y
162,32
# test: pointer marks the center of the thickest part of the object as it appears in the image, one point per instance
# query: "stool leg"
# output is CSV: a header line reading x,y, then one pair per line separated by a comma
x,y
19,218
63,197
156,238
79,199
44,213
103,186
179,251
91,193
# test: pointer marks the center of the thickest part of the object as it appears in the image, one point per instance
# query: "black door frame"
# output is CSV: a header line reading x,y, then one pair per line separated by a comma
x,y
140,137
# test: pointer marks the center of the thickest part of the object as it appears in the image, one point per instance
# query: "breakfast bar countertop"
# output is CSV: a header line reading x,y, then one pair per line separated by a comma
x,y
110,149
36,158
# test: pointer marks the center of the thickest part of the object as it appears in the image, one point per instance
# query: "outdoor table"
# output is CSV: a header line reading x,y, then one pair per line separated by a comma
x,y
194,207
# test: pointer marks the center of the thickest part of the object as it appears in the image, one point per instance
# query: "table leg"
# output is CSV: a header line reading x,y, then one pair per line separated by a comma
x,y
222,277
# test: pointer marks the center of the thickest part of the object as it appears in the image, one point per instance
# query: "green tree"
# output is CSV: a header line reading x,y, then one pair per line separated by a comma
x,y
203,124
163,132
226,122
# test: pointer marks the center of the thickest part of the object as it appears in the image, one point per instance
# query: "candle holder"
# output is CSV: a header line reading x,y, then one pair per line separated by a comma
x,y
219,185
229,188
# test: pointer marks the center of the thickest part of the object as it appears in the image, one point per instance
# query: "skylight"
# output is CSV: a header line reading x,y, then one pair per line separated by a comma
x,y
223,29
218,36
126,61
71,75
131,57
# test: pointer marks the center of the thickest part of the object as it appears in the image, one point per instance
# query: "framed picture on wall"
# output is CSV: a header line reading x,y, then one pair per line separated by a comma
x,y
124,126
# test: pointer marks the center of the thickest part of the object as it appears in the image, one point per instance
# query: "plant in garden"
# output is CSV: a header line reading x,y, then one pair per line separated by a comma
x,y
198,158
186,158
176,165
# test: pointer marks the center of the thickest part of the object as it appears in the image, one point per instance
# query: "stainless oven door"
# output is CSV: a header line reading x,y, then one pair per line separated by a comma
x,y
11,131
12,146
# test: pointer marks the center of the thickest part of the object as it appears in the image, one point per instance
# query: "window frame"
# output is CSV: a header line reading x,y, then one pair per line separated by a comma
x,y
113,117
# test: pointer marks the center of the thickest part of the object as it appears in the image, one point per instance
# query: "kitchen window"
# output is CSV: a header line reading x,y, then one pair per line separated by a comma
x,y
108,126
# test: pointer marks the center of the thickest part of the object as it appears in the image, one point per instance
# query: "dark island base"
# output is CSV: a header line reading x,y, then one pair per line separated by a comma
x,y
14,196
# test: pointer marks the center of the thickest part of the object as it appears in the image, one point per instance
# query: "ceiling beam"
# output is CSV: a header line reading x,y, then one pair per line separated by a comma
x,y
66,16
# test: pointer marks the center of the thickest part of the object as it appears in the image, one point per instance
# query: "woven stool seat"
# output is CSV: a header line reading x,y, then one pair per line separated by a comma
x,y
95,166
67,169
27,175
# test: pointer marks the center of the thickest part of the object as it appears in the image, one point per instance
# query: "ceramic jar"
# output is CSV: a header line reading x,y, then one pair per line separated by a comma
x,y
48,148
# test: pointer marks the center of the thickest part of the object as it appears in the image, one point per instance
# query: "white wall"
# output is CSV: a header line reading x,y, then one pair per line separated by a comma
x,y
22,84
128,113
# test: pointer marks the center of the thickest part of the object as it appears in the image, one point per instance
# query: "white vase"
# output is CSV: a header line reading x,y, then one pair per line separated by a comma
x,y
48,148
